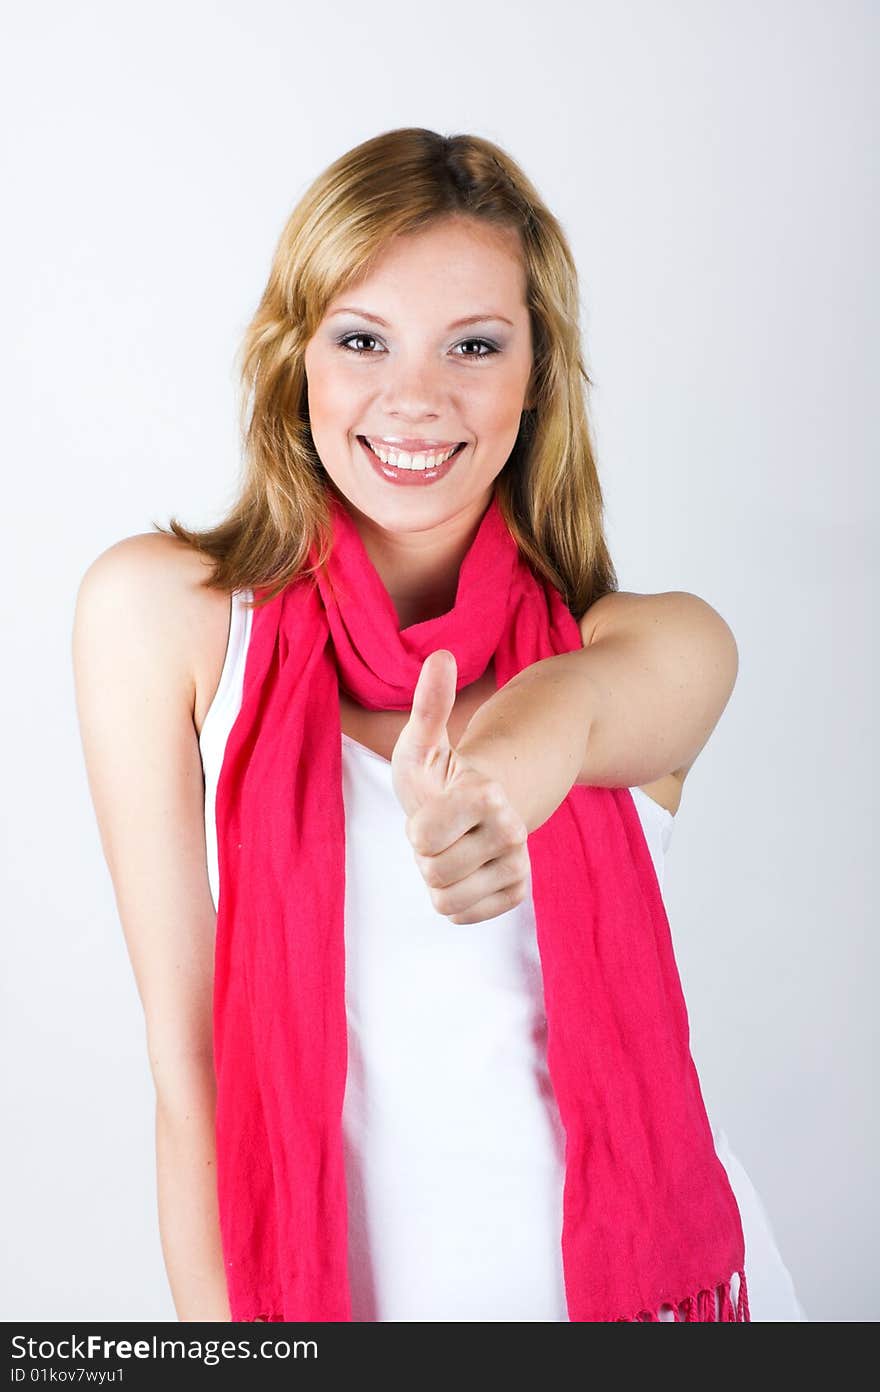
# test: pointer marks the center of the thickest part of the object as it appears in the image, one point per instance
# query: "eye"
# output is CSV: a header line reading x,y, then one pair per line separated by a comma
x,y
344,342
481,343
348,340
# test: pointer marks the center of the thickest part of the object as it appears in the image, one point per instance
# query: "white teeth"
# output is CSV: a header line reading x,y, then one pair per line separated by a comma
x,y
399,459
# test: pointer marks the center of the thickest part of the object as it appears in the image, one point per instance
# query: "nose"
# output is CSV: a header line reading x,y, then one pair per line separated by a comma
x,y
414,390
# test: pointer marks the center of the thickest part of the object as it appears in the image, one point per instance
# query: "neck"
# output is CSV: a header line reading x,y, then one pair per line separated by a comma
x,y
420,569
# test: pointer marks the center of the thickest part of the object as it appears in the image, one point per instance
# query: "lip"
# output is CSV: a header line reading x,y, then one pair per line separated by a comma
x,y
410,478
411,444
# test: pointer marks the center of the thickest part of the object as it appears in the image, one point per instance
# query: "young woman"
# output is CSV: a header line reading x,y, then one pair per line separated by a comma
x,y
385,767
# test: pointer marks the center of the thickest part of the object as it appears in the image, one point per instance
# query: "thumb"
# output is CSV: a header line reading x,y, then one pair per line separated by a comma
x,y
433,700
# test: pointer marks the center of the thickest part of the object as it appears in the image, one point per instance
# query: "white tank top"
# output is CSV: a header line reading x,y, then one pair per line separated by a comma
x,y
454,1148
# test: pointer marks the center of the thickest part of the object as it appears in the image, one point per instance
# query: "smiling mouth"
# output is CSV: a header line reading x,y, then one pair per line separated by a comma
x,y
423,462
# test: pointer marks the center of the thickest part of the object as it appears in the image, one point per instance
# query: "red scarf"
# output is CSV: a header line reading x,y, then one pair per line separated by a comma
x,y
649,1217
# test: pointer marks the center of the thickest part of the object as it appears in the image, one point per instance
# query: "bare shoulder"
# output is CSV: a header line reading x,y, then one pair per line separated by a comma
x,y
616,605
147,591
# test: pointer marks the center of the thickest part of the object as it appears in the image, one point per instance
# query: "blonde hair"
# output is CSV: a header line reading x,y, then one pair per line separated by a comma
x,y
399,182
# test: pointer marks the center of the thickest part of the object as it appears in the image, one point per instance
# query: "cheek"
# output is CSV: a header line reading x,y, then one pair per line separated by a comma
x,y
331,398
497,409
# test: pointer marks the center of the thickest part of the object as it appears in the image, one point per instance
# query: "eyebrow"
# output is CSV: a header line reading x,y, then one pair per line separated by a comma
x,y
456,324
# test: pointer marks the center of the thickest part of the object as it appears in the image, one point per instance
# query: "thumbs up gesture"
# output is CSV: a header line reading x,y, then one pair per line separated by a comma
x,y
470,844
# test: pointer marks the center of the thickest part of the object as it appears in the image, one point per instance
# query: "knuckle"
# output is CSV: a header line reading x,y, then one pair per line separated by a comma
x,y
441,901
493,797
514,893
431,873
514,831
515,864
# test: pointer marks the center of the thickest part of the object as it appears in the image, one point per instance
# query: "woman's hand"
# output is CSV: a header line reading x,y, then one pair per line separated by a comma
x,y
470,844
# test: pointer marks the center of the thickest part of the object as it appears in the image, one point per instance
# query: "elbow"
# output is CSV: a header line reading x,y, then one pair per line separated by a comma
x,y
720,645
184,1083
728,655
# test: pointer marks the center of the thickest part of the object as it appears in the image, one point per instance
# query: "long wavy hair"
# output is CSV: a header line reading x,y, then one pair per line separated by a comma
x,y
399,182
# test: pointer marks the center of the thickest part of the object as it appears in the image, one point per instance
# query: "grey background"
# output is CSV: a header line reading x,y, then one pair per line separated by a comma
x,y
710,163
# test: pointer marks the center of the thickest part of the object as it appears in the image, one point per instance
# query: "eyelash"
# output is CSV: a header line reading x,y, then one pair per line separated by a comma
x,y
472,357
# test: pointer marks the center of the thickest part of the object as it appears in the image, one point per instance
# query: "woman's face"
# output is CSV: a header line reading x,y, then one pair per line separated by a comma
x,y
391,363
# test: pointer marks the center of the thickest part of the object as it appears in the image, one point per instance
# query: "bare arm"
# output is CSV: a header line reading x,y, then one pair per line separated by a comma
x,y
636,704
663,668
132,656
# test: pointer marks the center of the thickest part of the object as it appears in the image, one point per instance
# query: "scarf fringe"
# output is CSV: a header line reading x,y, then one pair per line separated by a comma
x,y
703,1308
700,1308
